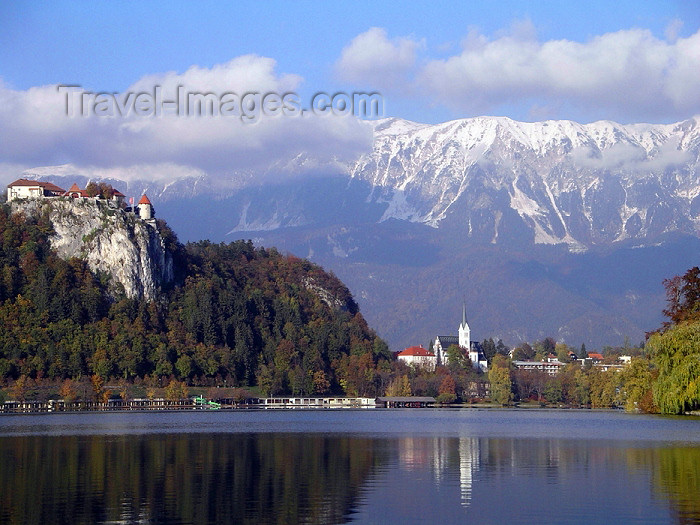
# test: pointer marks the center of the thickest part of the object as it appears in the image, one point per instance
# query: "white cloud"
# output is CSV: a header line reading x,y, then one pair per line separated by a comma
x,y
35,130
673,29
628,74
374,60
631,158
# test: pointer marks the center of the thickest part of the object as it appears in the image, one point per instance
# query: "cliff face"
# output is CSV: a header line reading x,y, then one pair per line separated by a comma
x,y
110,240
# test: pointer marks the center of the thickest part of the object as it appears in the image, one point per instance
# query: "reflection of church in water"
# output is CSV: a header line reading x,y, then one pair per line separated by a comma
x,y
447,455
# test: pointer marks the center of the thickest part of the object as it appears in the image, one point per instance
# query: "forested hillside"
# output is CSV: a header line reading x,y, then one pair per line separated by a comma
x,y
249,316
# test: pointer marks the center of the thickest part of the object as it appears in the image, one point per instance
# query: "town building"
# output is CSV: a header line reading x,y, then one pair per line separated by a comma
x,y
549,367
463,340
418,357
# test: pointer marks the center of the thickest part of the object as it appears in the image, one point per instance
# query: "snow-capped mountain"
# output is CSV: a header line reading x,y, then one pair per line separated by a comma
x,y
579,184
547,229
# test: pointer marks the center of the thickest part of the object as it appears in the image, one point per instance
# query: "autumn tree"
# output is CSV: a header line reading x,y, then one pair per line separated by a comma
x,y
19,389
447,390
399,387
683,297
176,390
501,386
68,392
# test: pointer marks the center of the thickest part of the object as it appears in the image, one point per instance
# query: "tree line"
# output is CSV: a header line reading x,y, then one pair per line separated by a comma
x,y
237,315
241,316
662,376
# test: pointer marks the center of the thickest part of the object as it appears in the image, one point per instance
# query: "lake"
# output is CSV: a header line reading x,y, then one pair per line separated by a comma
x,y
360,466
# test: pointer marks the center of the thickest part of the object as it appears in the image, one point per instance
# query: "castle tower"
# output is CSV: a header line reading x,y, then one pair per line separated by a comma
x,y
145,208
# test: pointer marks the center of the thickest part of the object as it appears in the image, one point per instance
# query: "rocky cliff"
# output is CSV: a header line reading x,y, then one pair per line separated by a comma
x,y
110,240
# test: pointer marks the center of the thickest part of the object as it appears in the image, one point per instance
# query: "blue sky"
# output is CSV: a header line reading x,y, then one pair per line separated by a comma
x,y
629,61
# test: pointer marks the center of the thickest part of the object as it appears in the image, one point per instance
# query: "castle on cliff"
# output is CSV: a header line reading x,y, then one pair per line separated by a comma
x,y
34,189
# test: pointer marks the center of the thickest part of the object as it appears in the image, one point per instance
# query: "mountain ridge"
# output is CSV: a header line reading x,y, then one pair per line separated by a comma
x,y
426,203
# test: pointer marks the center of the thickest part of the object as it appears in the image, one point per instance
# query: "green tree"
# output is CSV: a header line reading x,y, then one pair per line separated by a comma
x,y
583,353
553,391
563,350
524,352
489,348
582,388
676,354
637,381
501,386
502,349
456,359
603,386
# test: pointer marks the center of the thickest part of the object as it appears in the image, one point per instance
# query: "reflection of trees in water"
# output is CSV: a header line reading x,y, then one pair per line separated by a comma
x,y
676,476
294,478
195,478
675,471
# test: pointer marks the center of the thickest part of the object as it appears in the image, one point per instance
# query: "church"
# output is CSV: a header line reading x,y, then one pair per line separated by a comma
x,y
463,340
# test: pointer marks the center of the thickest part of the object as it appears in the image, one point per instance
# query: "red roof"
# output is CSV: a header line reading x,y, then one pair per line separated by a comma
x,y
416,351
144,200
593,355
44,185
74,187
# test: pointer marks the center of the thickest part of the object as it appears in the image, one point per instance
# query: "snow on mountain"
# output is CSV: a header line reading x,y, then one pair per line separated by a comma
x,y
579,184
496,179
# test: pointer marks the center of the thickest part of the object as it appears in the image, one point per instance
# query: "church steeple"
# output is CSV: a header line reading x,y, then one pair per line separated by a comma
x,y
464,331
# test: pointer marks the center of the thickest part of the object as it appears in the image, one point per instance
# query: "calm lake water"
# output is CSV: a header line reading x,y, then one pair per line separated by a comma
x,y
359,466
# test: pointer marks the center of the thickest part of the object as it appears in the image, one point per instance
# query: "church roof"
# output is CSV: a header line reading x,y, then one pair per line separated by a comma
x,y
74,187
416,351
144,200
447,340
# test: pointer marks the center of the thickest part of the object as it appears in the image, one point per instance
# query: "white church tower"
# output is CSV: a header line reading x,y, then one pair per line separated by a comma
x,y
466,343
464,332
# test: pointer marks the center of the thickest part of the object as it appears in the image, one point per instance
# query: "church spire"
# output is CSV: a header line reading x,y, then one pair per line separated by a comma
x,y
464,332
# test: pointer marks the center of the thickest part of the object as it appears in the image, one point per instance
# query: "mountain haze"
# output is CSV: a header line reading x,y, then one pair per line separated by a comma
x,y
546,228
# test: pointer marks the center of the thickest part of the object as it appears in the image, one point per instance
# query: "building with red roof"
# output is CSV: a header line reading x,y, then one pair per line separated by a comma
x,y
418,356
32,189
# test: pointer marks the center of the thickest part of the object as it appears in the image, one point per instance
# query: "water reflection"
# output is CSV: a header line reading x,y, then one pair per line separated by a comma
x,y
321,478
200,478
549,477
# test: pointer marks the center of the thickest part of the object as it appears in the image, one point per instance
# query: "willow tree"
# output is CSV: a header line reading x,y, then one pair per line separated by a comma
x,y
676,353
